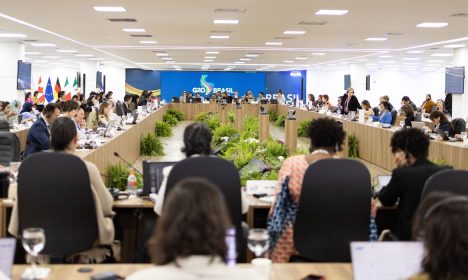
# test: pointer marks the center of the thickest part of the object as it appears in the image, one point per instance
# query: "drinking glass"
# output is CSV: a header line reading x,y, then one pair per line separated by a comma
x,y
463,135
402,123
14,169
33,242
258,241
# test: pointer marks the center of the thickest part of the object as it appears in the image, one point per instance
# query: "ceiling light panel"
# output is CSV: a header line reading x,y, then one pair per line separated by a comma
x,y
332,12
109,9
226,21
432,24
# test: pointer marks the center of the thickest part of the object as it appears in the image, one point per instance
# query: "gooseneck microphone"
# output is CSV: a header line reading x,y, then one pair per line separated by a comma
x,y
128,163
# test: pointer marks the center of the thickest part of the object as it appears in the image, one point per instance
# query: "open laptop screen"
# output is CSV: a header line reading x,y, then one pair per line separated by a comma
x,y
386,260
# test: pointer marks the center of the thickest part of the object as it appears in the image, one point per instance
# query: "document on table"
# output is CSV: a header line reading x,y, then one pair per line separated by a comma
x,y
386,260
7,254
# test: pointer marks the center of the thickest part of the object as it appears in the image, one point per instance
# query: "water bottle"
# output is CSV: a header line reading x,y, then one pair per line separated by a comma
x,y
132,183
373,233
231,254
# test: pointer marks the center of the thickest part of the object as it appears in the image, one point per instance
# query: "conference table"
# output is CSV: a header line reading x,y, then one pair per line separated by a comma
x,y
22,133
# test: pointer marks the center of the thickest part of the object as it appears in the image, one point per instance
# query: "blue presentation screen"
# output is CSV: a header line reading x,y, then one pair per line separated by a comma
x,y
24,76
174,83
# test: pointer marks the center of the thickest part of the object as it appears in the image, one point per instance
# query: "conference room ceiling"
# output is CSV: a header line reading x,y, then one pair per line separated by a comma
x,y
182,29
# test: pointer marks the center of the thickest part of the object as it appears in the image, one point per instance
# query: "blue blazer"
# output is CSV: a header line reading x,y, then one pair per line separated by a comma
x,y
385,117
38,138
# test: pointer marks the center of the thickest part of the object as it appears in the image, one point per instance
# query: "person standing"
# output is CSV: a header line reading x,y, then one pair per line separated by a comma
x,y
350,102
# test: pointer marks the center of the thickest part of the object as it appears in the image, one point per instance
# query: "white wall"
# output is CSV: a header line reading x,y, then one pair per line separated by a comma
x,y
10,53
52,72
115,80
395,84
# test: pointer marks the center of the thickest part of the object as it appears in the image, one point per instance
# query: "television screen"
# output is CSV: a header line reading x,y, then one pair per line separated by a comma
x,y
454,79
24,76
99,83
347,81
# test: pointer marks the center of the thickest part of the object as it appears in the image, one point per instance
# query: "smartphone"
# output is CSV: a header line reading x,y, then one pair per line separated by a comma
x,y
314,277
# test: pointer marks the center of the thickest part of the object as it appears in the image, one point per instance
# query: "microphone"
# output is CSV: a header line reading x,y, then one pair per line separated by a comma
x,y
128,163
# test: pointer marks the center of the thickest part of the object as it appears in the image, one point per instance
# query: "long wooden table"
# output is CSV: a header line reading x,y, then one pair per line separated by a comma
x,y
292,271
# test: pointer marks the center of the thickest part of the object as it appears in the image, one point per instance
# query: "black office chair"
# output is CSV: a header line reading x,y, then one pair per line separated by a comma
x,y
9,148
54,193
334,209
4,125
224,175
450,180
394,116
457,126
376,111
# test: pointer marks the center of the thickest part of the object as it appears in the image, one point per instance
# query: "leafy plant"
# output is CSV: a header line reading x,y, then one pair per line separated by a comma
x,y
275,149
303,128
213,122
170,119
280,121
117,176
302,151
273,116
353,146
440,161
231,117
201,117
176,113
224,131
150,145
241,152
162,129
251,128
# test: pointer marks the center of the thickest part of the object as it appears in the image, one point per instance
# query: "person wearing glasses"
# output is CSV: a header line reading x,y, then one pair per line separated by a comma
x,y
350,102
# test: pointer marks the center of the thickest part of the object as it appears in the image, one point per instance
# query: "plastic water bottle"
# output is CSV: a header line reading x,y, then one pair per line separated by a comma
x,y
231,254
132,183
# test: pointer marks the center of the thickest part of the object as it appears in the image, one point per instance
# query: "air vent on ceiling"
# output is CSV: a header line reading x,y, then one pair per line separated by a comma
x,y
29,41
394,34
283,38
460,15
221,31
122,20
305,22
159,51
434,48
141,35
230,11
255,53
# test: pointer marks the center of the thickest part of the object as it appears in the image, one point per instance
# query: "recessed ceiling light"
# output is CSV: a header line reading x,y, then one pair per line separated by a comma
x,y
239,62
244,59
288,61
376,39
251,55
148,42
415,52
67,60
385,56
210,57
219,37
318,53
294,32
212,52
301,58
169,61
43,45
435,61
109,9
411,58
136,30
442,54
271,66
50,56
96,58
226,21
410,63
331,12
67,51
84,55
162,54
208,60
432,24
31,53
273,43
455,46
12,35
166,58
387,62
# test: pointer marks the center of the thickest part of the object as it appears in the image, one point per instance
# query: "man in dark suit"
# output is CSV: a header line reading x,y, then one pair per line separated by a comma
x,y
350,102
410,148
38,138
126,104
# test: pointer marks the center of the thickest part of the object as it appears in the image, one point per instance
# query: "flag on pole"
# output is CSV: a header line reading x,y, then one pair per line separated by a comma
x,y
67,89
57,89
49,94
40,90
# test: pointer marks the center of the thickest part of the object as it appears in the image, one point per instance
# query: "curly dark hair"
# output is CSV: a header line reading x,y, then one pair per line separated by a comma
x,y
195,222
197,139
411,140
326,133
439,222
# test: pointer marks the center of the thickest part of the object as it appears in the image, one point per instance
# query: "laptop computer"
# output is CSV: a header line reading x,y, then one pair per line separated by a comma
x,y
386,260
153,176
7,256
418,124
383,182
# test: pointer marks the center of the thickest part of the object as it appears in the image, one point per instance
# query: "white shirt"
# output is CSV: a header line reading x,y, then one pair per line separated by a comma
x,y
195,268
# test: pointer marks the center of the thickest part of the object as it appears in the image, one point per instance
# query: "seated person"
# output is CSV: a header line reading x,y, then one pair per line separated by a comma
x,y
280,97
261,96
6,113
310,102
183,98
126,104
410,148
326,137
63,139
440,121
76,99
439,225
27,112
69,109
190,238
427,105
79,119
325,102
407,100
440,107
367,109
457,126
104,113
385,115
338,109
197,143
198,95
386,98
38,138
408,112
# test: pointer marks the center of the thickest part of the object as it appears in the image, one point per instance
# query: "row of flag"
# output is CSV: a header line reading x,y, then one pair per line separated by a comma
x,y
50,94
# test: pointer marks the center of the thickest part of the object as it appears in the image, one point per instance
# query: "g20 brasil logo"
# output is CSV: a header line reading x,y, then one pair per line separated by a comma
x,y
207,87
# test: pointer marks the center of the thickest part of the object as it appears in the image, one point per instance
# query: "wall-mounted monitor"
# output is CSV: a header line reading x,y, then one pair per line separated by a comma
x,y
347,81
24,76
455,80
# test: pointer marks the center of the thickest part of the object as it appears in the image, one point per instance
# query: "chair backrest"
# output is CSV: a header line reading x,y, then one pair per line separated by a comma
x,y
9,148
376,111
4,125
220,172
334,209
455,181
457,126
54,193
394,116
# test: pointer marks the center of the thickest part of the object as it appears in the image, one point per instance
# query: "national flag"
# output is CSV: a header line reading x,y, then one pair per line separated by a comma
x,y
57,89
49,94
75,84
40,95
67,90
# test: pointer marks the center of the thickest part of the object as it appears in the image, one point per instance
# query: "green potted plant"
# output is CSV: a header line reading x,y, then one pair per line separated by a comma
x,y
150,145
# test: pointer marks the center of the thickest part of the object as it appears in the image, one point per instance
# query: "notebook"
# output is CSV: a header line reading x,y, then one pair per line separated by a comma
x,y
383,182
7,254
386,260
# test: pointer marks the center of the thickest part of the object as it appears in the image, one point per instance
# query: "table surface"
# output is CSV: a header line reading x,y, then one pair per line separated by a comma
x,y
293,271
